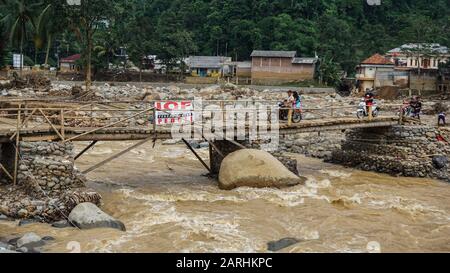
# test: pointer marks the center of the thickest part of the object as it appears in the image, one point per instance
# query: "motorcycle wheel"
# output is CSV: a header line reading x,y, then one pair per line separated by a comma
x,y
296,117
359,115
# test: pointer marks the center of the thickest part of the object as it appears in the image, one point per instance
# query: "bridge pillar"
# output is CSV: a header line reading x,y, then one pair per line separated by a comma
x,y
225,147
7,153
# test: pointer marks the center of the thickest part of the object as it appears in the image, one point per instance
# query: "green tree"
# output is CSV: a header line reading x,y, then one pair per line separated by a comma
x,y
85,20
19,18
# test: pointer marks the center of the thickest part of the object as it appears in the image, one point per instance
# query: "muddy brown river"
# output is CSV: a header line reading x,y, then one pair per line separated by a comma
x,y
168,205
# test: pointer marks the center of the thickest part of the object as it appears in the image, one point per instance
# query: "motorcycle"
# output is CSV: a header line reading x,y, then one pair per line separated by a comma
x,y
362,109
283,113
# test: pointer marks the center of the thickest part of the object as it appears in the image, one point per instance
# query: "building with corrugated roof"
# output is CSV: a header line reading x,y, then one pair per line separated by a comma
x,y
208,66
278,67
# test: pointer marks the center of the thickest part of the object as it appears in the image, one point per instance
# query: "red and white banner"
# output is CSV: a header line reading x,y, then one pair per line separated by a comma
x,y
174,112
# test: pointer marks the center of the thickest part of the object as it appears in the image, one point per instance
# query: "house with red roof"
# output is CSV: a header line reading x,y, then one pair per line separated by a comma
x,y
371,73
70,63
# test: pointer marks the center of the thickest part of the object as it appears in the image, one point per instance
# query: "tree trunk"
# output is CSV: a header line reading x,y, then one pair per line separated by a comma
x,y
21,55
88,63
49,43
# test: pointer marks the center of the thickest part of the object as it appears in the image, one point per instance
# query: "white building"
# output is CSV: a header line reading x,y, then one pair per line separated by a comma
x,y
425,56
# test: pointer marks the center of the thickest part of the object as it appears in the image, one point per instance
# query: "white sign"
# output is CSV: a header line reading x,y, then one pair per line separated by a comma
x,y
74,2
17,61
174,112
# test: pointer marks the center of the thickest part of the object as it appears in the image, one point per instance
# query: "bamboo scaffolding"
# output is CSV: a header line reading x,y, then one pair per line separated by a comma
x,y
6,171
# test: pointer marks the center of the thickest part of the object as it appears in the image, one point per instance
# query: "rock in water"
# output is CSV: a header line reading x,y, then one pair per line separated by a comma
x,y
254,168
30,239
88,215
440,161
280,244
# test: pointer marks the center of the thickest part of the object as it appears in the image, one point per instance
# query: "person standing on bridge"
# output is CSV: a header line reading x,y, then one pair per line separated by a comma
x,y
297,102
416,106
441,118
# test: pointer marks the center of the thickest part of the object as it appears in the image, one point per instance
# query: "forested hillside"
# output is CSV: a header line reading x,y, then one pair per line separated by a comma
x,y
344,31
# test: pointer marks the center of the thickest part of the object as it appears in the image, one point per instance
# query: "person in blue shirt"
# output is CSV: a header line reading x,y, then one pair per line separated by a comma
x,y
297,103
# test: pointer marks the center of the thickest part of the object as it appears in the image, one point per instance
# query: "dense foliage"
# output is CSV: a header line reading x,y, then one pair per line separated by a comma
x,y
342,32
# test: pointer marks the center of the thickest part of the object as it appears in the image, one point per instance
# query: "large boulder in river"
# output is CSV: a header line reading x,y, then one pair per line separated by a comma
x,y
88,215
254,168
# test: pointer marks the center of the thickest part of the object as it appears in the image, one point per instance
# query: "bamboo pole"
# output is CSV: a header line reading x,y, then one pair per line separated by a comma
x,y
24,123
6,171
85,149
106,126
16,158
63,133
196,155
98,165
290,117
51,124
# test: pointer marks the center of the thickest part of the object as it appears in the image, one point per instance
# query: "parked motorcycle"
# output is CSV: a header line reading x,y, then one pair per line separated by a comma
x,y
362,109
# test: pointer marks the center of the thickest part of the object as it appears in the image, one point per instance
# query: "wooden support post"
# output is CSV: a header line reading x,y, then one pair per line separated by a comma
x,y
25,122
196,155
290,117
63,133
6,171
370,112
51,125
106,126
98,165
85,149
16,159
155,134
211,144
400,121
236,143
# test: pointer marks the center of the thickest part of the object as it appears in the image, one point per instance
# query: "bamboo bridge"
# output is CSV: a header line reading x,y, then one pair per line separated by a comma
x,y
32,121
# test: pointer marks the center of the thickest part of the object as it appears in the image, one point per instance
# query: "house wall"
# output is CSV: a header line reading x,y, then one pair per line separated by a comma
x,y
412,61
424,82
279,70
244,72
66,67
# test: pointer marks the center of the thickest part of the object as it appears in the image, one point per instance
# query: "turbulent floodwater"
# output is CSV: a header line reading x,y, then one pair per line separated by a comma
x,y
168,205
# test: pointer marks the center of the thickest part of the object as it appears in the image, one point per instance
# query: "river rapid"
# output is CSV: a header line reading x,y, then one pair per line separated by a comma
x,y
168,205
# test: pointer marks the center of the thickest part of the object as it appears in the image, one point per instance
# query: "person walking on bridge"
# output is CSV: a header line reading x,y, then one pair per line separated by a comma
x,y
416,106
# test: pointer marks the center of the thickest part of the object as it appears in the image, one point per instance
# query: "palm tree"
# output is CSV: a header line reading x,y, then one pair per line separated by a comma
x,y
43,32
18,20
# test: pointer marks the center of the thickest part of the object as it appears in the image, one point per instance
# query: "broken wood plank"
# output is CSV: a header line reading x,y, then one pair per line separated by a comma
x,y
85,149
98,165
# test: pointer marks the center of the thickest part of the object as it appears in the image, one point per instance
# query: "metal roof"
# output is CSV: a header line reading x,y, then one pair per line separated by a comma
x,y
434,48
207,61
304,60
272,53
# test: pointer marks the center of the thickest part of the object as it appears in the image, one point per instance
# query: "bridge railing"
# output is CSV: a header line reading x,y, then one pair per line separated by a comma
x,y
95,116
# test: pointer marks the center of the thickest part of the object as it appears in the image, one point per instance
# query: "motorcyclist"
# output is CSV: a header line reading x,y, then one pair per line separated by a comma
x,y
416,106
287,103
368,98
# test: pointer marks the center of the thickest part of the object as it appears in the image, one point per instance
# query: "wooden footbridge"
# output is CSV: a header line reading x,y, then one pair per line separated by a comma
x,y
90,121
33,120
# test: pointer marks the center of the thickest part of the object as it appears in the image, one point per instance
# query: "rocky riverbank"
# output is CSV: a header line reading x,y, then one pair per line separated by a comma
x,y
411,151
48,184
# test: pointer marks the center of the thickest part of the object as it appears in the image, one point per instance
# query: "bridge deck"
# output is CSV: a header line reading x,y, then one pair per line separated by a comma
x,y
46,132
